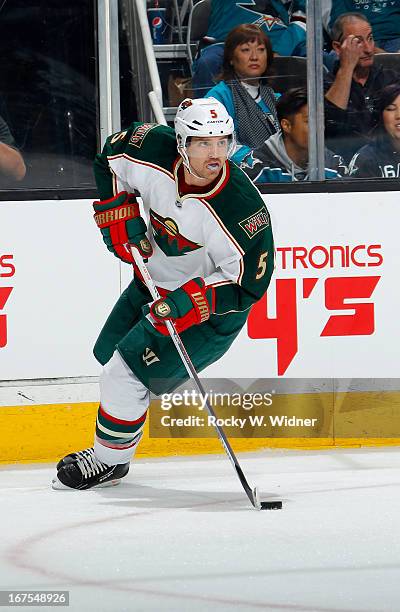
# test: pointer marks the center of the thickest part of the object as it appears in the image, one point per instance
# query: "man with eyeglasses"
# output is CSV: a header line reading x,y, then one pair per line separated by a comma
x,y
353,85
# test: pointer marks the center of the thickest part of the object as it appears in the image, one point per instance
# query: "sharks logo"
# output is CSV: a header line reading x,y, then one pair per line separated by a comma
x,y
260,7
269,22
249,161
169,239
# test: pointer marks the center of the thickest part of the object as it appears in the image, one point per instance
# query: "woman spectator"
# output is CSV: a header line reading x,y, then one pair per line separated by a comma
x,y
243,89
283,21
381,158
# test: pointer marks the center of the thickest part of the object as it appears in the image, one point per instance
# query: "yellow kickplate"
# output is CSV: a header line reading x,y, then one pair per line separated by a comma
x,y
45,433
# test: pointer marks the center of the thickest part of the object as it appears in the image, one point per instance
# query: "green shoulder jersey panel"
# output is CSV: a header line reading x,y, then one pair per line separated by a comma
x,y
241,208
144,141
242,211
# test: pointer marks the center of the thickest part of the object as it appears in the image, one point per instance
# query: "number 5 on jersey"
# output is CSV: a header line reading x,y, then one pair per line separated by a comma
x,y
262,265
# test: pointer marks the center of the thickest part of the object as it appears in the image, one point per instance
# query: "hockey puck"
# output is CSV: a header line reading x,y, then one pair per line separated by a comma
x,y
271,505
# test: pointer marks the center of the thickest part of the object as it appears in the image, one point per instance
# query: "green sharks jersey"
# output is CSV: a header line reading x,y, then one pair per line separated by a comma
x,y
222,235
283,22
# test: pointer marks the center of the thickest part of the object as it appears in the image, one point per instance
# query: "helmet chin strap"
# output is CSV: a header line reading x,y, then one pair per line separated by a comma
x,y
186,162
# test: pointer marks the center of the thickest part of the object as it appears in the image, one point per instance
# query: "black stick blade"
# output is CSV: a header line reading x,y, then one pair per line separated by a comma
x,y
271,505
267,505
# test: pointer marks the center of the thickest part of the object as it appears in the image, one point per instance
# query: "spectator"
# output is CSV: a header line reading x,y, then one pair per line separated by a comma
x,y
243,89
354,84
283,22
384,18
12,165
381,158
284,156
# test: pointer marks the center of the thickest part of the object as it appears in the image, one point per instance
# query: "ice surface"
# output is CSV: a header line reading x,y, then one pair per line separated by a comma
x,y
180,535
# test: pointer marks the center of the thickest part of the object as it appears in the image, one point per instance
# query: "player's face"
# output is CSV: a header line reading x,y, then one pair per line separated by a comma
x,y
391,119
296,128
207,156
249,59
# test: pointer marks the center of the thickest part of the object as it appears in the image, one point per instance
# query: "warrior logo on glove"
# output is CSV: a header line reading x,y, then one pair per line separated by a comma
x,y
161,309
120,223
191,304
202,305
146,246
123,213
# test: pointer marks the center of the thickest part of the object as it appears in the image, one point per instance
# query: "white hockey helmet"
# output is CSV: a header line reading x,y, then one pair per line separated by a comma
x,y
202,117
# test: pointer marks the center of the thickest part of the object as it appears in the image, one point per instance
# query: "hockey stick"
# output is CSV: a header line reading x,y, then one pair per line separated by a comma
x,y
252,494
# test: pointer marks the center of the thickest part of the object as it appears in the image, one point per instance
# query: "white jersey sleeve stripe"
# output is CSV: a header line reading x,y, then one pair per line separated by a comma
x,y
140,162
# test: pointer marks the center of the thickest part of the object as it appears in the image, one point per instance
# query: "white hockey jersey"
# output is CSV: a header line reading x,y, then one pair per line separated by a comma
x,y
222,235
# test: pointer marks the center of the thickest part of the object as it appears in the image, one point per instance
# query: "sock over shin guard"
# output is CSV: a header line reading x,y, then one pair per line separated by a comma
x,y
116,439
123,407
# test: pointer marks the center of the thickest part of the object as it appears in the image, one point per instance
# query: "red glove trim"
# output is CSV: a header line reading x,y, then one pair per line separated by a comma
x,y
129,197
103,202
179,325
119,238
198,299
198,314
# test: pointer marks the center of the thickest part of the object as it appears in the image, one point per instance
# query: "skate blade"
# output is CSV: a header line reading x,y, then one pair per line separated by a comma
x,y
57,485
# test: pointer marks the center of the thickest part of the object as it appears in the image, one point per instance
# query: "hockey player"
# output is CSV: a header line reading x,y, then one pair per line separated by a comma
x,y
210,252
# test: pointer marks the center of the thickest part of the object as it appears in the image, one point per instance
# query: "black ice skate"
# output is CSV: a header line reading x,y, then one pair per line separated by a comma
x,y
73,457
82,470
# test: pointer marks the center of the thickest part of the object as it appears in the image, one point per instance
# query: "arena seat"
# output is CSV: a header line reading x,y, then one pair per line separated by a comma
x,y
197,27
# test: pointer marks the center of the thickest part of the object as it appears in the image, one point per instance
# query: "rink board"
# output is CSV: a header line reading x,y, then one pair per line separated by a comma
x,y
331,312
43,433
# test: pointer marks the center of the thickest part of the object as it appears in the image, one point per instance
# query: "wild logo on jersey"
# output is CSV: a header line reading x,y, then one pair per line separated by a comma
x,y
167,236
255,223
